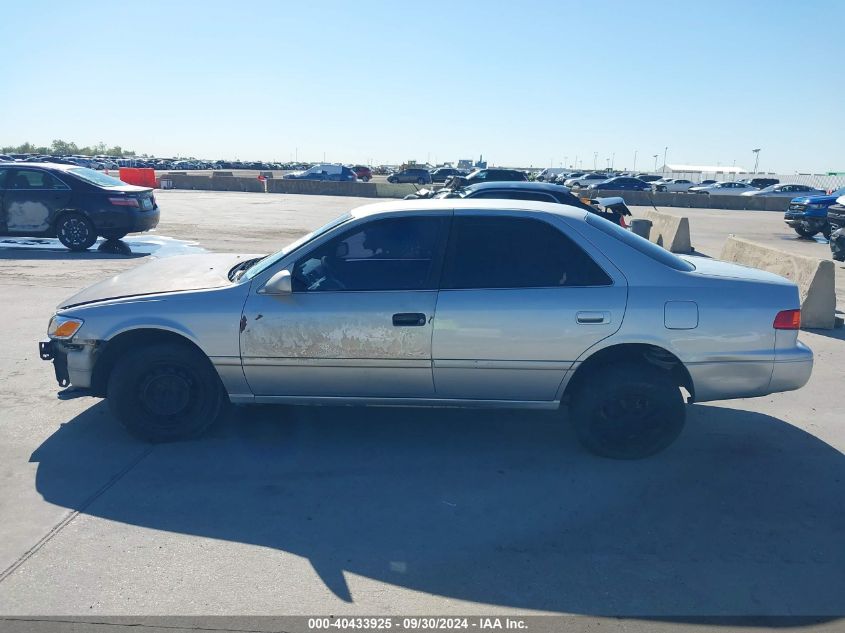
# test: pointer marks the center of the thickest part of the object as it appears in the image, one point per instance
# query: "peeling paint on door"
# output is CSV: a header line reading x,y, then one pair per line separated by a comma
x,y
28,216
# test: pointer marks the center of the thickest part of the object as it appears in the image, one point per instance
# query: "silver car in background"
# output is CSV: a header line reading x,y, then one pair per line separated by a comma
x,y
471,303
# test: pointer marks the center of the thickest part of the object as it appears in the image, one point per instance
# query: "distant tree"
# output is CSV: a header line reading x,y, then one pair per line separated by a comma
x,y
63,148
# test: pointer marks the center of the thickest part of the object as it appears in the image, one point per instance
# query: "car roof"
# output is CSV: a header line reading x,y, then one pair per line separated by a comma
x,y
24,165
518,184
443,204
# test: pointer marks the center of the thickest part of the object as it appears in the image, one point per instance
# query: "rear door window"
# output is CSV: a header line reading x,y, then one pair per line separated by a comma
x,y
510,252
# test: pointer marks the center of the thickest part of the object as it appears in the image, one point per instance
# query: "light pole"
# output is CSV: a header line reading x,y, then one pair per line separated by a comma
x,y
576,161
655,162
595,160
665,150
635,161
566,161
756,158
612,160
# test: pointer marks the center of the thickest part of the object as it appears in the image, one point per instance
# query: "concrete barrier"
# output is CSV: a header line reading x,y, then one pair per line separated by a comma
x,y
217,173
815,277
670,231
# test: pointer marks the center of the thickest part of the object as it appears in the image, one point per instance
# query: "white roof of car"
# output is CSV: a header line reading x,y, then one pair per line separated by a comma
x,y
479,204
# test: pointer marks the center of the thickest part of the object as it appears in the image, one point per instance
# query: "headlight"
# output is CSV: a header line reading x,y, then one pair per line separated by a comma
x,y
63,328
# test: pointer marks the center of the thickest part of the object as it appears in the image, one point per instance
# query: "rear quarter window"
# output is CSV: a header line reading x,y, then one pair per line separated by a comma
x,y
640,244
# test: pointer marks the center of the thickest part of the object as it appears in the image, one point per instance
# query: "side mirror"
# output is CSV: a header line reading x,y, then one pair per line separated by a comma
x,y
278,284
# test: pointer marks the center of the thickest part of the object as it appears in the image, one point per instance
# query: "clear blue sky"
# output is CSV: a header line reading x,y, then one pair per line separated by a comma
x,y
521,82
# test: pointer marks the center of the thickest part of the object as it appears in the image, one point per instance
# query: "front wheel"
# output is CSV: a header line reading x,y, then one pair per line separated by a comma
x,y
165,392
76,232
628,412
805,232
114,235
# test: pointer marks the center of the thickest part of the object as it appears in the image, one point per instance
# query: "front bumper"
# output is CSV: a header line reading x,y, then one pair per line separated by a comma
x,y
48,351
73,364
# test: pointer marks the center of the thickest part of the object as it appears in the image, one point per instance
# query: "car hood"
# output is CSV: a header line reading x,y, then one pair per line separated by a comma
x,y
814,200
727,270
170,274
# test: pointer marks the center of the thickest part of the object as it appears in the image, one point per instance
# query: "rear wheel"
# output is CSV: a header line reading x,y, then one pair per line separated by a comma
x,y
75,231
114,235
165,392
826,231
629,411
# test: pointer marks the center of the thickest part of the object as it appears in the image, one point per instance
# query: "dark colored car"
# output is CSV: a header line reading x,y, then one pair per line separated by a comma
x,y
761,183
537,191
836,221
363,173
648,177
621,183
412,174
487,175
75,204
324,172
807,215
442,173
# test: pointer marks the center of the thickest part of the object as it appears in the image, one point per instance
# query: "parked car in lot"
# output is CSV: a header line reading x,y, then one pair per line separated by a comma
x,y
75,204
487,175
761,183
479,303
441,174
412,174
836,221
584,180
673,185
649,177
363,173
615,210
621,183
725,188
785,191
808,215
324,172
549,174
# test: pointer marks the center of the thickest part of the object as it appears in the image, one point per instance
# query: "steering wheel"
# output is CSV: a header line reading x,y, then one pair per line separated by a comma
x,y
329,280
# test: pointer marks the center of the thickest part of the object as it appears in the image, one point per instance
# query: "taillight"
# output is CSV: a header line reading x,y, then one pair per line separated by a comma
x,y
787,320
622,222
125,202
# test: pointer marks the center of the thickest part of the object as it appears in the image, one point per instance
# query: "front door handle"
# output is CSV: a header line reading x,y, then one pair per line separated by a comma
x,y
592,318
409,319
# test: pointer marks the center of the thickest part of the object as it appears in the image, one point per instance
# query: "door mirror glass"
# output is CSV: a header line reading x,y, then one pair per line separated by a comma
x,y
279,284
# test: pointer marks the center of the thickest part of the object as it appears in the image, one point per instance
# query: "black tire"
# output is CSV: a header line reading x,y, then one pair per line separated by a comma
x,y
114,235
826,231
629,411
75,231
808,233
165,393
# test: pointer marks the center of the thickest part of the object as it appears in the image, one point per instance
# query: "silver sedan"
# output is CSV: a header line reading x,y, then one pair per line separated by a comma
x,y
472,303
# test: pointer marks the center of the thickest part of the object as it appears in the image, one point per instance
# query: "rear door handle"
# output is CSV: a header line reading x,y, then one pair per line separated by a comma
x,y
409,319
592,318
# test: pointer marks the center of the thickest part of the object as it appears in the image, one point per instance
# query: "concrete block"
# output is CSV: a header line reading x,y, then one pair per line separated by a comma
x,y
670,231
815,277
641,227
217,172
774,203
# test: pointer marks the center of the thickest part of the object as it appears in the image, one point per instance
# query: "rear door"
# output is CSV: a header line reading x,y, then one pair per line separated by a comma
x,y
31,201
3,173
519,301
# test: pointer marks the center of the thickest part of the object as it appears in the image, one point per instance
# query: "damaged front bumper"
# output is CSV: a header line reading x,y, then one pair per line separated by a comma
x,y
72,363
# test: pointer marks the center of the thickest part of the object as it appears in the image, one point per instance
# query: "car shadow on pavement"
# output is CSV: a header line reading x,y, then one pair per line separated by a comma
x,y
744,515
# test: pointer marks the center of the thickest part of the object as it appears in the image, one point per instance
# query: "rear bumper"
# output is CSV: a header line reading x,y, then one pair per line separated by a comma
x,y
789,370
792,369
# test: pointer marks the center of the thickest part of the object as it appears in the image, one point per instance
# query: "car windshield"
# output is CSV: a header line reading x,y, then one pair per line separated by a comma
x,y
95,177
271,260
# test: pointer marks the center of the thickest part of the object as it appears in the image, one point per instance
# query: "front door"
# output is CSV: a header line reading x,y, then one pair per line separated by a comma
x,y
359,320
31,201
519,302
